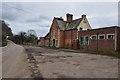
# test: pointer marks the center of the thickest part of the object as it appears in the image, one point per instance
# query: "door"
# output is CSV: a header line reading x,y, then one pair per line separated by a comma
x,y
53,42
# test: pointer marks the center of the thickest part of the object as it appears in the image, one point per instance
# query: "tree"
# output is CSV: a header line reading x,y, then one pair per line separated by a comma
x,y
22,37
16,39
32,39
6,31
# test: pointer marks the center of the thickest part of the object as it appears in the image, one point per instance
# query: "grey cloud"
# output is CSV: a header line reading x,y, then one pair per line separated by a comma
x,y
33,20
44,18
12,11
103,21
8,16
38,16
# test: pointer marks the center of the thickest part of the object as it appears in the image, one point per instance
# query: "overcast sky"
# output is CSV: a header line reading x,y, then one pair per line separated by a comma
x,y
22,16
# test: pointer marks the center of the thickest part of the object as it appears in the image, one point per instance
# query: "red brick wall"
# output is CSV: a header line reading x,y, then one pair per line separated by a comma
x,y
47,42
61,39
69,17
42,41
74,39
103,45
70,38
118,39
54,27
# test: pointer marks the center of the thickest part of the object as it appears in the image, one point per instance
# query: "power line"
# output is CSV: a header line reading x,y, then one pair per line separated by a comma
x,y
27,12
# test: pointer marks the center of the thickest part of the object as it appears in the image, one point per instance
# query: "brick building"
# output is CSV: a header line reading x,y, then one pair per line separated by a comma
x,y
42,41
101,39
78,34
61,31
47,40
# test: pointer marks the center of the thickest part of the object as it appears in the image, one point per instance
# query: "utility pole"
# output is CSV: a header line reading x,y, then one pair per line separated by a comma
x,y
97,41
115,38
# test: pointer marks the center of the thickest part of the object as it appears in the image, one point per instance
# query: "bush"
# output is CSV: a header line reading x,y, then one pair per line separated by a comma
x,y
4,43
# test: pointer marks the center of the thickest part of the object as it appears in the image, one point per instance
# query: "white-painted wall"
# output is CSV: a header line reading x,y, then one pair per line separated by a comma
x,y
83,25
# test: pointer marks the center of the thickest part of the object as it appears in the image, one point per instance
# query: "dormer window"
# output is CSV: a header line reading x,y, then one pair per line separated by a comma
x,y
80,29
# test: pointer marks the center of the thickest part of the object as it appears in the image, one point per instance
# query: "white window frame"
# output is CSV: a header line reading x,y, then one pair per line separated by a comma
x,y
85,40
111,34
92,36
101,35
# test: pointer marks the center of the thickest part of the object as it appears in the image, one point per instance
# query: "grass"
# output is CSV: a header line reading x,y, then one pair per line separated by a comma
x,y
108,53
104,53
114,54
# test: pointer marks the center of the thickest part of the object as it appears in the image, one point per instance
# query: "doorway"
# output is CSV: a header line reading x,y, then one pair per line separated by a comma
x,y
53,42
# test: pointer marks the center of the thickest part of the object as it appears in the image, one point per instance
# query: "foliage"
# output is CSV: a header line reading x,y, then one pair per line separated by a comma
x,y
6,31
114,54
22,38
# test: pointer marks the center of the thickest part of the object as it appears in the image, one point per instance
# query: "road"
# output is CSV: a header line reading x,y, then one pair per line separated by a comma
x,y
14,62
56,63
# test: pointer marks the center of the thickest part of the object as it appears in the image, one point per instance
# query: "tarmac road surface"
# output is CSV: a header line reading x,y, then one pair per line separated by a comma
x,y
14,62
56,63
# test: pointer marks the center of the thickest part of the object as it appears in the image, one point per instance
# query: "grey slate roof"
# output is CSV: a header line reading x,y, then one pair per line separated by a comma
x,y
61,24
47,36
72,25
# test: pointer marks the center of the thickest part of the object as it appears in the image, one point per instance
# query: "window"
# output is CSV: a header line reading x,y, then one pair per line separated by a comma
x,y
80,29
86,40
110,36
81,40
94,37
101,36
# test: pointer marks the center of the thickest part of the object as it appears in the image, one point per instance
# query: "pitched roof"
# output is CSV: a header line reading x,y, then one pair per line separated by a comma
x,y
72,25
61,24
47,36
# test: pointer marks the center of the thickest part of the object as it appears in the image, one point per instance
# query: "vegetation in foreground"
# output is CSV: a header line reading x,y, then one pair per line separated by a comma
x,y
6,31
20,38
24,39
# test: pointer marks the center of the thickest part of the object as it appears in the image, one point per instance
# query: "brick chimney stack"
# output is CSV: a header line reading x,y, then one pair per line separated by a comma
x,y
69,17
83,16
